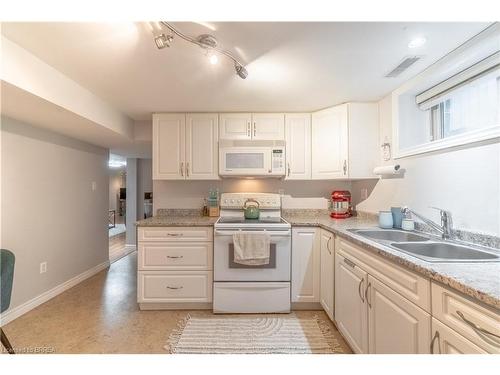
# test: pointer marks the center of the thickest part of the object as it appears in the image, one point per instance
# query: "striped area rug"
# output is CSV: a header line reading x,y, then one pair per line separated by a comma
x,y
237,334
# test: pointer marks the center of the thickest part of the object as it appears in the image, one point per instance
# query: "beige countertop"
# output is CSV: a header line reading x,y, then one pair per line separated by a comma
x,y
478,280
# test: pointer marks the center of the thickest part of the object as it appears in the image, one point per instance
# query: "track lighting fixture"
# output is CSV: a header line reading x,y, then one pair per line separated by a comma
x,y
163,40
206,41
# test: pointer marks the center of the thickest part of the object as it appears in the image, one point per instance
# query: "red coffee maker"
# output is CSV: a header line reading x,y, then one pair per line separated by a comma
x,y
341,204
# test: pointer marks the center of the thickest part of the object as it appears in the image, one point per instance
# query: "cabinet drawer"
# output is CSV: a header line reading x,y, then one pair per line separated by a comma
x,y
175,234
175,255
410,285
174,286
447,306
447,341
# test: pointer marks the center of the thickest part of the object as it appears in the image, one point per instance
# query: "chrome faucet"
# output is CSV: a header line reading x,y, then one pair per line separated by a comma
x,y
446,223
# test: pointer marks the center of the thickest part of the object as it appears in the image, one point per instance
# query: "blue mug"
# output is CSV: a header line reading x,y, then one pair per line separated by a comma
x,y
397,217
385,219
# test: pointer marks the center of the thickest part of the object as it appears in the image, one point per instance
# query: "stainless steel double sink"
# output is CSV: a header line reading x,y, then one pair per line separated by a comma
x,y
427,248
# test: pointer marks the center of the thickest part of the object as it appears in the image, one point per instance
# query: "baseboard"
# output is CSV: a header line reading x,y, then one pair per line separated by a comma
x,y
22,309
306,306
113,257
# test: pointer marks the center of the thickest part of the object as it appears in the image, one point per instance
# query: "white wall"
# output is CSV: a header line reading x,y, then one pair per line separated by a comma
x,y
131,202
464,181
298,194
49,211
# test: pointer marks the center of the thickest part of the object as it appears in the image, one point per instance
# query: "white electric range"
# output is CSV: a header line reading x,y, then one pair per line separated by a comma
x,y
251,289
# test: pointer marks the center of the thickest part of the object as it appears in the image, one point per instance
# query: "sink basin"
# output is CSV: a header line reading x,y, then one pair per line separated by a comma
x,y
390,235
445,252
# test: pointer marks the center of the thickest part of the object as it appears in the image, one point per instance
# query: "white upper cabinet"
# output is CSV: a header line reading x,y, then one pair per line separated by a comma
x,y
235,125
258,126
329,143
168,146
345,141
185,146
305,264
298,146
268,126
201,146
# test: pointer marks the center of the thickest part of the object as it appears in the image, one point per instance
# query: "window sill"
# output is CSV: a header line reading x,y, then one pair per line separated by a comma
x,y
456,141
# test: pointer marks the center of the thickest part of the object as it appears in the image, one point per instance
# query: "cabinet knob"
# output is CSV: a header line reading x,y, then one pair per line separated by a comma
x,y
345,167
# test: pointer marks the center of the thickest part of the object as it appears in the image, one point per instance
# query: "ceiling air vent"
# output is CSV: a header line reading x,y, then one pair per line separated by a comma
x,y
405,64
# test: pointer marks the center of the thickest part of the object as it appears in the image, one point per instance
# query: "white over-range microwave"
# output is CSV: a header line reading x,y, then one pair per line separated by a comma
x,y
252,158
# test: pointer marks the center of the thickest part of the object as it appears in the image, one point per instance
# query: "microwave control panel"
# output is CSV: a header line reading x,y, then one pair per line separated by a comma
x,y
278,159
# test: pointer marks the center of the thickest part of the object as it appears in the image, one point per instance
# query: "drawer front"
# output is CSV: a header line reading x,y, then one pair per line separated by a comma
x,y
175,256
175,234
174,286
447,341
412,286
448,305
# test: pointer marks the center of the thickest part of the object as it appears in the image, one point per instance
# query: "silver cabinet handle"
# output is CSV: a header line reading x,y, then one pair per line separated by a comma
x,y
328,245
288,169
254,129
475,327
174,287
175,257
345,167
174,234
249,134
436,337
349,263
361,282
187,169
182,169
367,294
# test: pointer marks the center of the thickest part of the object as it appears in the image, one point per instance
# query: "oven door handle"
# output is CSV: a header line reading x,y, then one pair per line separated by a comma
x,y
284,233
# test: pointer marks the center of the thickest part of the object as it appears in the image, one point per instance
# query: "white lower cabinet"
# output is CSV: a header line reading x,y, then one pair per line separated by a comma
x,y
327,272
351,313
372,315
447,341
174,267
306,265
395,325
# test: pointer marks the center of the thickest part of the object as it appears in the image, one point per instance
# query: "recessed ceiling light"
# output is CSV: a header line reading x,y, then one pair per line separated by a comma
x,y
213,59
417,42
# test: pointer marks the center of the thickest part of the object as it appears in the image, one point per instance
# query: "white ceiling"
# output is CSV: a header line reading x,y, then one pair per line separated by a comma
x,y
292,66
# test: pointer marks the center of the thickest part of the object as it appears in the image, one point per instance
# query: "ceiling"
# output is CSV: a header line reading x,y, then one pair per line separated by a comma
x,y
292,66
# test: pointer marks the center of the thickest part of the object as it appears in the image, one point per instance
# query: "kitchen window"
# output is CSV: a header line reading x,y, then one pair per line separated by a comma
x,y
471,107
460,109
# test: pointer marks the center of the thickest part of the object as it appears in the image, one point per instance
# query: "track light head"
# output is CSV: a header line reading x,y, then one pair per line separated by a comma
x,y
163,41
241,71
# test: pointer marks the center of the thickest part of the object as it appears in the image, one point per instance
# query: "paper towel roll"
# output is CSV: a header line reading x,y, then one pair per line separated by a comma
x,y
388,169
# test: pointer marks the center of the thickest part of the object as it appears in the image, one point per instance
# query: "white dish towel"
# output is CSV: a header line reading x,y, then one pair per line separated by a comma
x,y
251,249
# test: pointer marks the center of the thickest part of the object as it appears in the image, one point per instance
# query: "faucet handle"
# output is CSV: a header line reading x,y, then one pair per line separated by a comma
x,y
442,211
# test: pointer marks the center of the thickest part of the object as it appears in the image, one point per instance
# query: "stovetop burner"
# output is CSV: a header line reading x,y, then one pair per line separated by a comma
x,y
242,220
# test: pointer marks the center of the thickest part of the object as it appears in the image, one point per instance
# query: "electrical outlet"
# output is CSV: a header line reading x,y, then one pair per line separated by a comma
x,y
364,194
43,267
94,185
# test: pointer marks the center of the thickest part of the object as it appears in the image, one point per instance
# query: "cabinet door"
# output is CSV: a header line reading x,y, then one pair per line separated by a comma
x,y
201,146
235,126
330,143
447,341
268,126
395,325
350,304
168,146
305,265
327,272
298,146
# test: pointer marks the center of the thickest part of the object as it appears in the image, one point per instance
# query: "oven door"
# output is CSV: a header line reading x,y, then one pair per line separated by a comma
x,y
244,161
278,268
